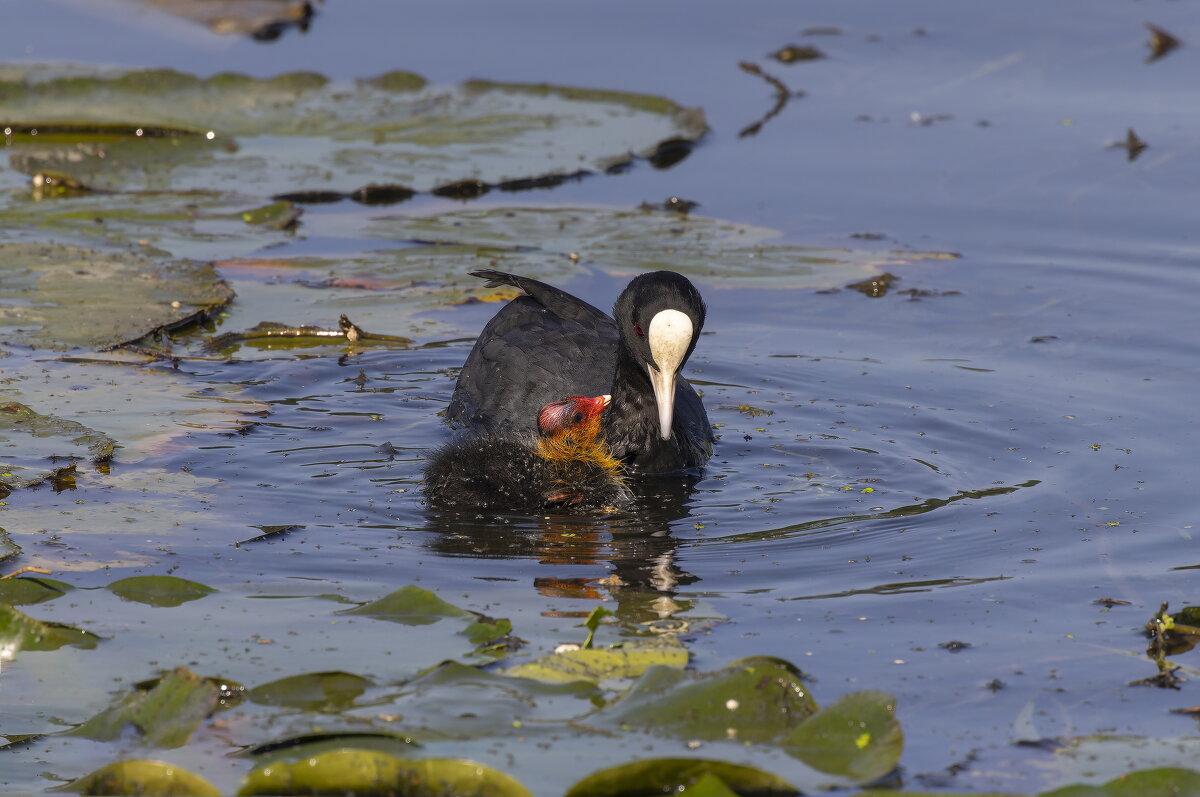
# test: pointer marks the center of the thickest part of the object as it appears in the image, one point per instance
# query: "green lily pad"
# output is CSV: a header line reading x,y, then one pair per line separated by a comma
x,y
33,445
1164,781
8,548
370,772
455,701
159,590
159,129
659,776
1101,758
756,700
199,225
315,691
56,296
143,777
410,605
486,630
302,748
708,785
164,715
629,660
633,241
857,737
29,590
21,632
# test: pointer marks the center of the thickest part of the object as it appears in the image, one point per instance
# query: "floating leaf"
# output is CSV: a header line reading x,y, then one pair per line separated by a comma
x,y
754,700
595,664
673,775
1164,781
59,296
8,548
165,715
32,446
708,785
159,590
21,632
410,605
857,737
370,772
315,691
486,630
159,129
299,748
143,777
633,241
29,590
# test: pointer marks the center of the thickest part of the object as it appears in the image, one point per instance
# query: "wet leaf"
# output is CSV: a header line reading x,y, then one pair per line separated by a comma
x,y
21,632
633,241
857,737
299,748
159,129
410,605
658,776
1100,758
596,664
369,772
159,590
143,777
56,296
487,630
1164,781
708,785
27,590
165,715
8,548
754,700
316,691
36,447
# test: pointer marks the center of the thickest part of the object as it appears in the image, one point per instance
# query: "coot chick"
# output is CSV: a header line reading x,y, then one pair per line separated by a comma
x,y
548,343
566,466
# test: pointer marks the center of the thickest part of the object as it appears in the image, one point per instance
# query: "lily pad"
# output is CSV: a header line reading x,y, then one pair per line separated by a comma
x,y
302,748
410,605
159,590
1167,780
315,691
857,737
633,241
158,129
21,632
56,296
164,715
755,700
370,772
628,660
8,548
34,446
143,777
28,590
658,776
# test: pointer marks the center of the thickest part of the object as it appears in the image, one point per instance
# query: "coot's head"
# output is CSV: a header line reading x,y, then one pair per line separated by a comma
x,y
659,317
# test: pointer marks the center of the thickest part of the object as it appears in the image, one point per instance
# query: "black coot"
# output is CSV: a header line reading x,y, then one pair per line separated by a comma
x,y
565,466
547,343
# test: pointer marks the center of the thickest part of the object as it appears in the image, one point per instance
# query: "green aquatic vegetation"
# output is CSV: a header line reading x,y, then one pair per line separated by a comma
x,y
19,632
159,590
165,714
143,777
35,446
628,659
29,590
678,776
1144,783
161,129
857,737
410,605
314,691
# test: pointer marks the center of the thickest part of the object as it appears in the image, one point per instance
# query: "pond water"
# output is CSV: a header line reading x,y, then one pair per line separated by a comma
x,y
976,456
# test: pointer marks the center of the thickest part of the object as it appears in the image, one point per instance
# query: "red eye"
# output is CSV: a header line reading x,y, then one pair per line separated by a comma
x,y
638,330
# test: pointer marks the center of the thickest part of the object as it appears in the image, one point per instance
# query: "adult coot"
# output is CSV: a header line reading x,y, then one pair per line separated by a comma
x,y
565,466
548,343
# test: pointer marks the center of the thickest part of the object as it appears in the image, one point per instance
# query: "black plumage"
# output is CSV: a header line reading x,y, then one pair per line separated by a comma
x,y
547,344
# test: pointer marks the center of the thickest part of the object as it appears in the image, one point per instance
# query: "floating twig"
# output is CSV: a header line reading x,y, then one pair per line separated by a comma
x,y
27,569
782,95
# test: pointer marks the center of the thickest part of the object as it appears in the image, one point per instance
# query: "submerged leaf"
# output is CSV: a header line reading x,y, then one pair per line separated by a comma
x,y
658,776
144,777
370,772
27,590
164,715
596,664
159,590
33,446
754,700
58,296
315,691
21,632
410,605
1164,781
857,737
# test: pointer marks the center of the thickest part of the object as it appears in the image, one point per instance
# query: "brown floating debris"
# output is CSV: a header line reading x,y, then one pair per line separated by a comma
x,y
875,287
782,95
797,52
27,569
1132,145
1110,602
265,330
1160,43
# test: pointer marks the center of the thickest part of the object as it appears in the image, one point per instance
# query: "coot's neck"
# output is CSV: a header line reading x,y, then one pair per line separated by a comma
x,y
631,426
